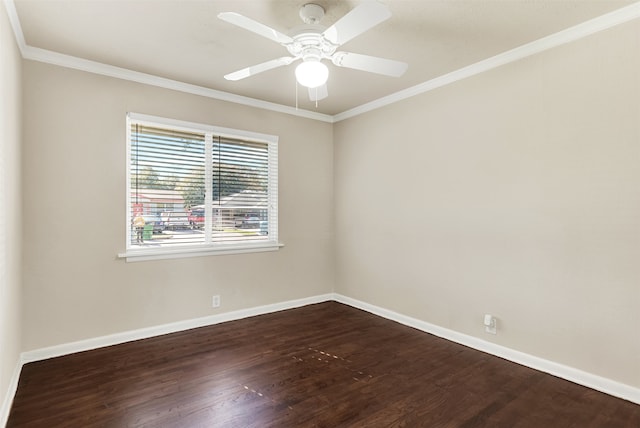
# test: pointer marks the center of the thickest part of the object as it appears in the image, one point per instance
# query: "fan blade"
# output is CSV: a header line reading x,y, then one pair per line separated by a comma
x,y
387,67
319,93
356,22
254,26
259,68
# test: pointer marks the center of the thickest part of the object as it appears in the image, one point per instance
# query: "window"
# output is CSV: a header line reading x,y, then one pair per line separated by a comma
x,y
197,189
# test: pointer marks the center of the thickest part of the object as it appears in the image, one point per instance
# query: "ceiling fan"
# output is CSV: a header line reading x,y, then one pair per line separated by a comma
x,y
313,43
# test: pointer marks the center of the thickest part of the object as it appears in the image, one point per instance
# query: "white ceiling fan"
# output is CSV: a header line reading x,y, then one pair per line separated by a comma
x,y
313,43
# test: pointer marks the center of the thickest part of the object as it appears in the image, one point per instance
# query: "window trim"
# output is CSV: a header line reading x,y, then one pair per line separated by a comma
x,y
206,249
135,255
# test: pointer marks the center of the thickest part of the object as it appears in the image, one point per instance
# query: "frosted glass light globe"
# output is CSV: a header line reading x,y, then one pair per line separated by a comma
x,y
312,74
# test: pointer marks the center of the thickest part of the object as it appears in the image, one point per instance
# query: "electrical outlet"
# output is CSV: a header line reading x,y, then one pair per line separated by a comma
x,y
490,324
215,302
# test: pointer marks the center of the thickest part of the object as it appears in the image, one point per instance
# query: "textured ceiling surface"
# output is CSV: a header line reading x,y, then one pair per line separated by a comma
x,y
184,40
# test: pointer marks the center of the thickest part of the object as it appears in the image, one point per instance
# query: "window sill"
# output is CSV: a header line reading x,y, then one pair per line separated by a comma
x,y
140,255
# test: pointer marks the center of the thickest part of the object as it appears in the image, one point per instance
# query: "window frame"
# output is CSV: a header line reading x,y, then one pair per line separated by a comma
x,y
206,248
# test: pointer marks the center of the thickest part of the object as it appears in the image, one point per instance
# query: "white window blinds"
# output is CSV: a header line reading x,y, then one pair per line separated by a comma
x,y
193,187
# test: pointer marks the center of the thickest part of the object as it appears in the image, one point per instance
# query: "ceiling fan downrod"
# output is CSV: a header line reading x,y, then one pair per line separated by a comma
x,y
311,13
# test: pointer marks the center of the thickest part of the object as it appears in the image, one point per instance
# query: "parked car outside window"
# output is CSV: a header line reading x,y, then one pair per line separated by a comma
x,y
175,220
249,221
196,218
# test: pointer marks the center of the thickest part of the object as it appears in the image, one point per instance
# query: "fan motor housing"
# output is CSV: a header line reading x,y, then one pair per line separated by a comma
x,y
308,41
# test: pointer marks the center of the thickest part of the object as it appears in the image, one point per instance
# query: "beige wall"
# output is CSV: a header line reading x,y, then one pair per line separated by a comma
x,y
515,192
74,212
10,226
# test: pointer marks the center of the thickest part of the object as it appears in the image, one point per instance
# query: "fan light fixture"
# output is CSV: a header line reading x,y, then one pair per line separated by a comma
x,y
316,46
312,73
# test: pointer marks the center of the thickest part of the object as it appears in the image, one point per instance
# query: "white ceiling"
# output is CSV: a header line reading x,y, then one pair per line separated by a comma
x,y
183,40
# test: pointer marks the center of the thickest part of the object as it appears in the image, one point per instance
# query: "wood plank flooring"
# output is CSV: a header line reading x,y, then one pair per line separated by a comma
x,y
324,365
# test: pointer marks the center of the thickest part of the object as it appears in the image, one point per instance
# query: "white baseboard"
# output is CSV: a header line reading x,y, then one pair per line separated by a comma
x,y
589,380
580,377
144,333
11,393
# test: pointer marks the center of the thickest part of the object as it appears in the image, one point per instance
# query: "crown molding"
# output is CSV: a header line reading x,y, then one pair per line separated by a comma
x,y
68,61
571,34
55,58
15,24
568,35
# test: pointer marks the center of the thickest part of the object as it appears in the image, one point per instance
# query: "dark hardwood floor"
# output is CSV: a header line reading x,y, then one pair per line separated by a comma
x,y
324,365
